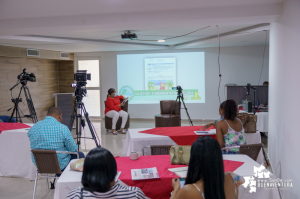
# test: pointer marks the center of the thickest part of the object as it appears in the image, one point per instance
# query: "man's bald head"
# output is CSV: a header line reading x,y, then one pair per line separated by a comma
x,y
54,111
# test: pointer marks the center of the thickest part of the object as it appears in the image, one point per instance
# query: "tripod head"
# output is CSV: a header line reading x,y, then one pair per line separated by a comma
x,y
24,77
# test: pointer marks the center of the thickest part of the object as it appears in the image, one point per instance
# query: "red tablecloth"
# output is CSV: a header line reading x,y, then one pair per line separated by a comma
x,y
181,135
157,188
4,126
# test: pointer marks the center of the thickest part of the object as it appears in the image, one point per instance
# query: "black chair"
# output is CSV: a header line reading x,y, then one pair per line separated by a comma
x,y
108,120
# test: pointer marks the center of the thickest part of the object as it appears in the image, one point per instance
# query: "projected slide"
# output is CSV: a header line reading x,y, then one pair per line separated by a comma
x,y
160,73
149,78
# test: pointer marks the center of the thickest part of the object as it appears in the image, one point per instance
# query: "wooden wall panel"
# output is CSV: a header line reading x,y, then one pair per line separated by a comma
x,y
47,83
66,76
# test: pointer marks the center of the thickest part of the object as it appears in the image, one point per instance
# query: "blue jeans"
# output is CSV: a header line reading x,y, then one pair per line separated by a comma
x,y
5,118
81,155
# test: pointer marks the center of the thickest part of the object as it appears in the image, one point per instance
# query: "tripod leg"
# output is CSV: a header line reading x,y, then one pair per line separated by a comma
x,y
189,118
73,116
91,127
18,113
16,104
79,125
12,115
173,110
30,105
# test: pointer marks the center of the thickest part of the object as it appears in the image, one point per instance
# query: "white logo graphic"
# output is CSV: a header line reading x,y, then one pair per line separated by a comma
x,y
262,178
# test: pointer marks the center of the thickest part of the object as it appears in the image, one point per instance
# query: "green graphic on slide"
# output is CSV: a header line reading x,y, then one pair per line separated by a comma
x,y
169,84
188,94
151,85
127,91
160,84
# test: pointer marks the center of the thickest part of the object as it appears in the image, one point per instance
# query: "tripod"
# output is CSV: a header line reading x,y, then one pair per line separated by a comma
x,y
180,98
16,101
80,122
254,91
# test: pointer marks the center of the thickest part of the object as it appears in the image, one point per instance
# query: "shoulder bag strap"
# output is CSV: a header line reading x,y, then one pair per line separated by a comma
x,y
81,193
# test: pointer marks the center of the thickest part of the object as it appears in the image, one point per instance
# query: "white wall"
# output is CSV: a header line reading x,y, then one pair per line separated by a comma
x,y
284,94
239,65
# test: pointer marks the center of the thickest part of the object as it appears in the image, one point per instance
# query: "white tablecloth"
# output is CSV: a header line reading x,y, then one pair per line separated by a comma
x,y
136,141
262,122
70,180
15,157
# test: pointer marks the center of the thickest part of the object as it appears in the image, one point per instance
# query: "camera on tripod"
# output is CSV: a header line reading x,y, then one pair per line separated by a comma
x,y
24,77
79,110
177,88
81,77
178,100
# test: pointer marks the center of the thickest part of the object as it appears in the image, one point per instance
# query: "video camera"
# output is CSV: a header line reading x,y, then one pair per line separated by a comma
x,y
81,77
177,88
24,77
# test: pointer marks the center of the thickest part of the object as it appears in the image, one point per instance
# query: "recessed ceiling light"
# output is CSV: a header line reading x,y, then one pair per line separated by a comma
x,y
161,40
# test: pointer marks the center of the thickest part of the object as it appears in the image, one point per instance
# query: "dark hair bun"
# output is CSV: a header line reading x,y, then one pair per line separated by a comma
x,y
110,91
230,110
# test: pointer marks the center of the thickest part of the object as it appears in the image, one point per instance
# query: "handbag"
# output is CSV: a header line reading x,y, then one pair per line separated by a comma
x,y
180,154
77,165
248,121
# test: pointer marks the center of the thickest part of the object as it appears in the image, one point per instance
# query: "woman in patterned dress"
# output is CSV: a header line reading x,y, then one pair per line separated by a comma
x,y
230,131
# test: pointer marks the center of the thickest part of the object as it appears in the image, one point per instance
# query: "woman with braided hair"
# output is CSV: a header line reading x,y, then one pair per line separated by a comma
x,y
230,131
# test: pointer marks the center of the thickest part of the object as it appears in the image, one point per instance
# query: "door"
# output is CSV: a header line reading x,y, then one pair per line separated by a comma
x,y
92,100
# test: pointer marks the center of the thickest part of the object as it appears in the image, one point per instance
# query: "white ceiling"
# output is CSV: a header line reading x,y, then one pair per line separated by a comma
x,y
81,26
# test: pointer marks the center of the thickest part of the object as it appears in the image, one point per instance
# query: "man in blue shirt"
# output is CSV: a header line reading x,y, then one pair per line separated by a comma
x,y
51,134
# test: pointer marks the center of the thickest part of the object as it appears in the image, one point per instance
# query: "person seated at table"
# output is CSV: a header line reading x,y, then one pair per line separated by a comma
x,y
98,179
230,131
51,134
214,123
113,110
205,176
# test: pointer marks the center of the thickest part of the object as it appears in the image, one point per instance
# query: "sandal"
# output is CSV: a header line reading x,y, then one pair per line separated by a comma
x,y
123,132
115,132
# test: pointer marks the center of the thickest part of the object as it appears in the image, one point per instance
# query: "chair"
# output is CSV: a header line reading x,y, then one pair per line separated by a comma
x,y
165,112
157,149
47,163
108,120
251,150
160,149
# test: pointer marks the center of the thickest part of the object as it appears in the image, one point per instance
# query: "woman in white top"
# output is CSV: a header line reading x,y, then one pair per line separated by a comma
x,y
98,179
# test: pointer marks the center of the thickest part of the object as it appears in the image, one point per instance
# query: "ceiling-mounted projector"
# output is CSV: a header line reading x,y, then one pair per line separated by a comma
x,y
128,35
